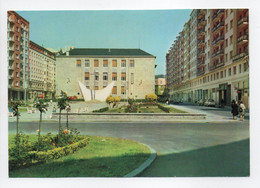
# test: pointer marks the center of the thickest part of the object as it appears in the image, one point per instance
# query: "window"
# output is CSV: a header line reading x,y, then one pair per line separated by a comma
x,y
132,63
114,63
229,72
105,63
226,42
245,66
226,57
225,73
234,70
123,76
132,78
211,78
114,90
96,63
226,13
123,63
78,62
231,24
105,77
240,68
230,55
114,76
217,75
226,27
123,90
221,74
231,39
86,63
86,75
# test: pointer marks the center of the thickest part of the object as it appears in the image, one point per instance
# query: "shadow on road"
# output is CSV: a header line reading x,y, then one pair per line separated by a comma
x,y
223,160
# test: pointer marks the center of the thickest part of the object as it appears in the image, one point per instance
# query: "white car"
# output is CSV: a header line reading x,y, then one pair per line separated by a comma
x,y
210,102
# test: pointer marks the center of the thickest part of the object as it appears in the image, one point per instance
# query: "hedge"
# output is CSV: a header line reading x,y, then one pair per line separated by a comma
x,y
102,109
42,156
165,109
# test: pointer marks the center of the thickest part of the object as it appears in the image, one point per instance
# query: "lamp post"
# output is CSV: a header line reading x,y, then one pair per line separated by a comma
x,y
68,109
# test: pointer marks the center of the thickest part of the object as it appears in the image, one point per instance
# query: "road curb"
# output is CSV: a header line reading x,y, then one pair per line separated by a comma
x,y
143,166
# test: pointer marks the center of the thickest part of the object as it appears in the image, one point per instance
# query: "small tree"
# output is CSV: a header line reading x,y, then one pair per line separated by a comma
x,y
151,97
62,103
110,100
15,108
42,107
68,109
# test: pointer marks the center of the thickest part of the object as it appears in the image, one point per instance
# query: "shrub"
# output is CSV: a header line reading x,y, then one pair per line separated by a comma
x,y
102,109
110,100
151,97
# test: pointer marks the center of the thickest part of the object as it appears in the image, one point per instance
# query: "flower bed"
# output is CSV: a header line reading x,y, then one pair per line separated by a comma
x,y
32,157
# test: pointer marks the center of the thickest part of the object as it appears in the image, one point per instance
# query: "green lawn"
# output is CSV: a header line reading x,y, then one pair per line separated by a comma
x,y
103,157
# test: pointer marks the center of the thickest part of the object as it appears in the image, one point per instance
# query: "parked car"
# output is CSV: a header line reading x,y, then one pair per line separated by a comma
x,y
210,102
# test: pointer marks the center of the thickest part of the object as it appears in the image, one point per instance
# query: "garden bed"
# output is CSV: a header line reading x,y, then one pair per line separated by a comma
x,y
103,157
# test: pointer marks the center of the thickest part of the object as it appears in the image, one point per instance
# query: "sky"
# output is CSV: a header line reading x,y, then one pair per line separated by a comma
x,y
150,30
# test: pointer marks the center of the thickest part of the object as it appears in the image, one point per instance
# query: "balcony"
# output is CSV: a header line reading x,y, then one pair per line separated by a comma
x,y
220,52
202,32
201,62
201,42
201,52
240,56
10,67
201,22
200,72
10,58
243,21
11,48
242,39
11,20
10,29
11,39
220,38
201,13
10,76
218,13
220,24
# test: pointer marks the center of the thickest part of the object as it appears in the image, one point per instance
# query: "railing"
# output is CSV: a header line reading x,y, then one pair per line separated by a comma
x,y
200,72
243,37
220,24
242,20
202,62
10,58
201,52
11,67
201,41
201,31
217,53
10,29
201,20
239,56
217,13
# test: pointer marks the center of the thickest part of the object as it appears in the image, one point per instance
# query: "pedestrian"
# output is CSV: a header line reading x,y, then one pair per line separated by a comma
x,y
54,109
234,107
242,109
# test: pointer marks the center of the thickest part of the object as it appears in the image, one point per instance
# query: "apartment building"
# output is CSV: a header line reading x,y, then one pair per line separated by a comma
x,y
219,61
133,71
18,52
42,72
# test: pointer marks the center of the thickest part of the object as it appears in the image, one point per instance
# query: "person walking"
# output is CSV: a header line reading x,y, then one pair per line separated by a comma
x,y
242,109
234,107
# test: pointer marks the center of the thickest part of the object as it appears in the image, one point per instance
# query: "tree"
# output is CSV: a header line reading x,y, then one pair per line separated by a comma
x,y
62,103
110,100
68,109
15,108
42,107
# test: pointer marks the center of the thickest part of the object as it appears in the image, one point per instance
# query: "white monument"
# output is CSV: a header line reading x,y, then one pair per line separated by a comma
x,y
90,94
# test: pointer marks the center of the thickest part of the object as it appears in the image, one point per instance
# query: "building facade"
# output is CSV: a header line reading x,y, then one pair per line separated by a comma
x,y
216,63
160,85
42,72
133,71
18,52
